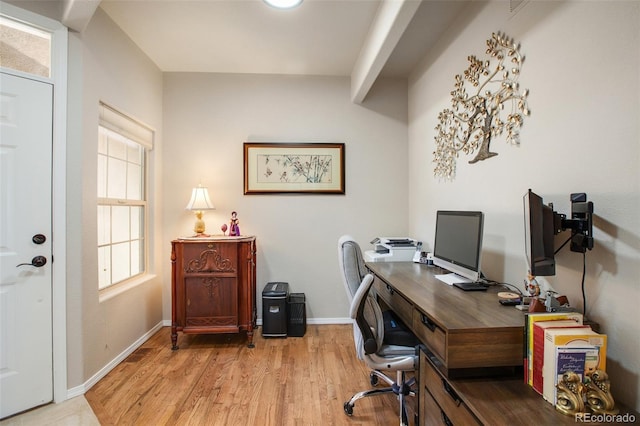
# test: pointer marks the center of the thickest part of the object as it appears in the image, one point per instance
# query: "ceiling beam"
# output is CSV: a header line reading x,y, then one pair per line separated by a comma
x,y
392,19
76,14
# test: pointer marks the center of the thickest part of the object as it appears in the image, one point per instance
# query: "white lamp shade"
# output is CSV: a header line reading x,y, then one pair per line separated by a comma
x,y
200,200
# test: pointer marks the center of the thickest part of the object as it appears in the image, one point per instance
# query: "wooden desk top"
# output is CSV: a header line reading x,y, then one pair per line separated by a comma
x,y
509,401
449,307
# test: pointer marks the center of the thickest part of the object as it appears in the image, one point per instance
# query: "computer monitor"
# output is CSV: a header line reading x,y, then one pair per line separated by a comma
x,y
539,233
458,242
542,224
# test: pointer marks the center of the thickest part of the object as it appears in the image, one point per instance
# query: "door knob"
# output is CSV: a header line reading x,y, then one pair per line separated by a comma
x,y
38,262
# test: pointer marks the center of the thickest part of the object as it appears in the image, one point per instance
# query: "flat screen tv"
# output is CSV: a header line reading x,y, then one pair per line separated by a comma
x,y
458,242
539,233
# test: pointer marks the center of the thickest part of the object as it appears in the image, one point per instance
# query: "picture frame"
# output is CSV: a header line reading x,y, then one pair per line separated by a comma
x,y
295,168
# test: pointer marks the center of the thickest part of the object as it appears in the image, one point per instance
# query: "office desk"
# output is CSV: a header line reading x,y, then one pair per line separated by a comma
x,y
470,372
469,331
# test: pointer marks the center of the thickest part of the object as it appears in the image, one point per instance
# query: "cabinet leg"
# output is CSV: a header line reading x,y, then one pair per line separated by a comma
x,y
250,338
174,339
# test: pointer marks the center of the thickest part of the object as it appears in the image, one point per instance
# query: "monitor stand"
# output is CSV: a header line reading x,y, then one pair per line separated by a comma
x,y
452,278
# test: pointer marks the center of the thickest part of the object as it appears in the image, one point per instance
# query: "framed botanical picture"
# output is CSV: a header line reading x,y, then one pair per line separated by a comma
x,y
276,168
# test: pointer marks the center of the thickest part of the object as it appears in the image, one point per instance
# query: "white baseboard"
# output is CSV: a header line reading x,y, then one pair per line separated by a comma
x,y
83,388
311,321
321,321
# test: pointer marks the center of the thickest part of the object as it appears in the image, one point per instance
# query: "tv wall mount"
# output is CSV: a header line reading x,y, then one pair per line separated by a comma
x,y
580,224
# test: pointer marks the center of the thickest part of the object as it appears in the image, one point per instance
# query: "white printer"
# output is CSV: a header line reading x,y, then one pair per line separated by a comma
x,y
392,249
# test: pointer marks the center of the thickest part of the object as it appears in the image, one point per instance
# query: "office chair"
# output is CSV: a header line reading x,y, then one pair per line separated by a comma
x,y
375,347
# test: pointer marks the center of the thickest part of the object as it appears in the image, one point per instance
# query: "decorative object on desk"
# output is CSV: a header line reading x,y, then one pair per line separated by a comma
x,y
532,286
426,258
508,295
313,168
570,394
477,116
551,303
234,226
199,202
589,354
598,395
537,305
224,228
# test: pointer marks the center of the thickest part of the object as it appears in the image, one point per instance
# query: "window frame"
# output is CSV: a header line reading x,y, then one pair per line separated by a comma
x,y
134,132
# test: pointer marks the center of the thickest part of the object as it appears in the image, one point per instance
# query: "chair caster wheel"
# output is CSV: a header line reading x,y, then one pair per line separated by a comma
x,y
348,409
373,379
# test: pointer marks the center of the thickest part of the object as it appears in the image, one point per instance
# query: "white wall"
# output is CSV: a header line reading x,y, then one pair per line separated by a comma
x,y
582,67
207,117
105,65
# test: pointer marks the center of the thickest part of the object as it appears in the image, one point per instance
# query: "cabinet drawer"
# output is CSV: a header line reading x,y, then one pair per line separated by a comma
x,y
395,301
430,334
444,395
210,257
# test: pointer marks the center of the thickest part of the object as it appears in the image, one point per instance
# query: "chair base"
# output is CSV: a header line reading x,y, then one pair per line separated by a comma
x,y
401,388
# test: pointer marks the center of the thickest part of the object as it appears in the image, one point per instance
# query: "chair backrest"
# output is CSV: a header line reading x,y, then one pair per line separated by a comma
x,y
351,264
368,326
368,319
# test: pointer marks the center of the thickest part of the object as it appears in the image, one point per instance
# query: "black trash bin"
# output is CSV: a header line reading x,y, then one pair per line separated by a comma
x,y
296,315
274,309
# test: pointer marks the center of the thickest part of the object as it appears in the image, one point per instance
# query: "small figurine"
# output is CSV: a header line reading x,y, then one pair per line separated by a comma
x,y
224,229
532,286
234,229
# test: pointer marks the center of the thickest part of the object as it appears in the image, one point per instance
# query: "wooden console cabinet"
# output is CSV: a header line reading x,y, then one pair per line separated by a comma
x,y
213,286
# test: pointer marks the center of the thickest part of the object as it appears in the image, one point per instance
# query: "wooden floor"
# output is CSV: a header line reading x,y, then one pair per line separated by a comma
x,y
218,380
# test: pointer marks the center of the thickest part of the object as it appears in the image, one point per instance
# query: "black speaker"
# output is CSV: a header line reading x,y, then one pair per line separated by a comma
x,y
297,315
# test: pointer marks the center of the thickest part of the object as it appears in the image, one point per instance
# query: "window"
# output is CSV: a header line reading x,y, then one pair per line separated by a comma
x,y
123,144
25,48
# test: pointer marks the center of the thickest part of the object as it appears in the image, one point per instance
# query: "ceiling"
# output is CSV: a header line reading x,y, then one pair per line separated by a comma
x,y
319,37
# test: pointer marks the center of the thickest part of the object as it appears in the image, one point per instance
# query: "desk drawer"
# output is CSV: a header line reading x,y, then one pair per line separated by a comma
x,y
430,334
451,406
395,301
433,415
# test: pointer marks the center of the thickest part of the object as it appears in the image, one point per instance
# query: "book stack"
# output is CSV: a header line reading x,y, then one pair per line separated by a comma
x,y
557,342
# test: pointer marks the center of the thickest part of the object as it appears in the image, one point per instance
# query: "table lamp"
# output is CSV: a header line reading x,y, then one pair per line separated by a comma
x,y
199,202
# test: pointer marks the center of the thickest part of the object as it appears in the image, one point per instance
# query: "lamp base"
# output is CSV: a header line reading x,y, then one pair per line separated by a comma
x,y
198,227
200,235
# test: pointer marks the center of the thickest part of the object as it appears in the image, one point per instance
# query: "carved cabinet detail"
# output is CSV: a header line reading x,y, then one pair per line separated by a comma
x,y
213,284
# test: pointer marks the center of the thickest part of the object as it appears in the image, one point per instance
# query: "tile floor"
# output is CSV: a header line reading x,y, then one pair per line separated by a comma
x,y
73,412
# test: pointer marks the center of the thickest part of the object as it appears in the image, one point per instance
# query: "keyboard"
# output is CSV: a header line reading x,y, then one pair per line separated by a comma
x,y
471,286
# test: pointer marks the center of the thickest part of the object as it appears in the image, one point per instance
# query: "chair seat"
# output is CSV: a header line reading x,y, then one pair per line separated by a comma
x,y
393,358
396,351
396,332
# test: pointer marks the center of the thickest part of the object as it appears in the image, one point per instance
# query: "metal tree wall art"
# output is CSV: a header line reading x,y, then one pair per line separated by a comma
x,y
478,103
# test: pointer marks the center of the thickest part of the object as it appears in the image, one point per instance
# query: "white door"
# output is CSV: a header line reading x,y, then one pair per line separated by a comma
x,y
26,356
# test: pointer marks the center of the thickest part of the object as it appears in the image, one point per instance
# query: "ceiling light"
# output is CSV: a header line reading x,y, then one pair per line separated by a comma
x,y
283,4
